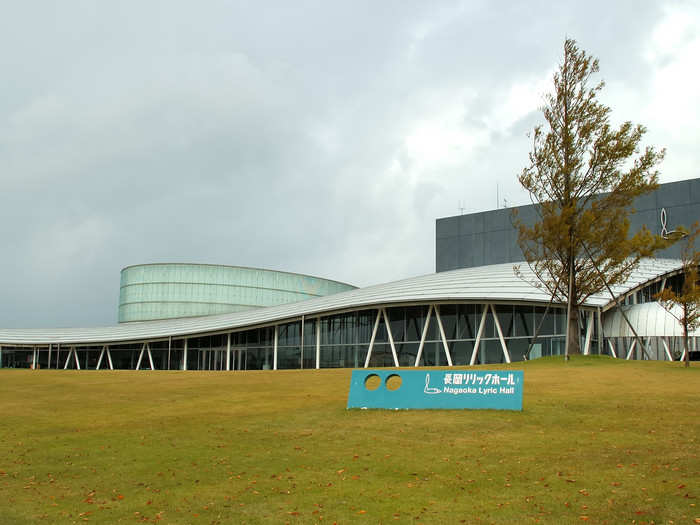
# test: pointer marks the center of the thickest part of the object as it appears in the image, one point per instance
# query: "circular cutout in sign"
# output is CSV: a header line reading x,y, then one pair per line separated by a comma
x,y
372,382
393,382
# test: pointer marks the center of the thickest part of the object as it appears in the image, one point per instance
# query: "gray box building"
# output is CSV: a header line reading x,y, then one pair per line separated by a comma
x,y
489,237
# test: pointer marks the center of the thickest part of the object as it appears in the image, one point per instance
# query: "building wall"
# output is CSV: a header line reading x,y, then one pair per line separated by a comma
x,y
478,239
164,291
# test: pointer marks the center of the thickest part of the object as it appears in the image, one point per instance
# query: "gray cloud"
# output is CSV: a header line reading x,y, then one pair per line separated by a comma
x,y
313,137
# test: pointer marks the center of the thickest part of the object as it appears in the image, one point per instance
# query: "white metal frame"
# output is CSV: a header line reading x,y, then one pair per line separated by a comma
x,y
664,342
105,351
479,333
374,335
442,335
391,337
506,353
589,334
423,335
318,343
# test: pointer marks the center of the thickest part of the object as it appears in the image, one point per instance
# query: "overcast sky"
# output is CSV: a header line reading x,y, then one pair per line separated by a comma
x,y
316,137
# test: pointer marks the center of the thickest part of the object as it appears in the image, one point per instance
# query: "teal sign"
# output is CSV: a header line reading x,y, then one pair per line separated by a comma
x,y
446,389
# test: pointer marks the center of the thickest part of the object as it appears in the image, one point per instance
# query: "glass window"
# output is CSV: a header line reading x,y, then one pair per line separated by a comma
x,y
491,352
461,352
505,319
308,356
448,316
337,356
381,356
288,357
365,325
467,321
433,330
407,353
517,348
289,334
381,336
433,354
397,321
415,320
490,326
545,322
310,333
524,321
559,320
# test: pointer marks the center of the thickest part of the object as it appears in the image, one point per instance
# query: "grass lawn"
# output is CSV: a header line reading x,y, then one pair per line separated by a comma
x,y
599,440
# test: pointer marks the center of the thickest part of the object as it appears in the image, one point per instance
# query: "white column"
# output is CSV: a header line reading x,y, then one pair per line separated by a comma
x,y
634,343
301,345
667,349
423,335
34,358
482,323
138,363
318,342
109,358
99,359
589,334
150,357
184,355
506,354
228,351
391,337
442,335
77,363
374,334
612,348
48,363
274,348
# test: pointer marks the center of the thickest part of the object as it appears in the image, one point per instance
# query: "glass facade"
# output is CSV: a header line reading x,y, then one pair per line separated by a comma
x,y
164,291
337,341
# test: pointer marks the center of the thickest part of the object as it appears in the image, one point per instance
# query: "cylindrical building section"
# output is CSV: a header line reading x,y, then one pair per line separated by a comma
x,y
172,290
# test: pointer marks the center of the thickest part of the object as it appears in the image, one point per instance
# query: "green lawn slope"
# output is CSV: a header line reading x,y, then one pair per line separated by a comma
x,y
599,441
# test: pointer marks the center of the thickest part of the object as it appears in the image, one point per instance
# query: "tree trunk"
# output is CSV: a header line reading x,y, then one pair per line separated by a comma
x,y
573,340
686,359
574,332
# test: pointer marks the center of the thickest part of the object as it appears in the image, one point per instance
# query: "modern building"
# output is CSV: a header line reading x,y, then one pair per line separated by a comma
x,y
175,290
468,316
482,312
478,239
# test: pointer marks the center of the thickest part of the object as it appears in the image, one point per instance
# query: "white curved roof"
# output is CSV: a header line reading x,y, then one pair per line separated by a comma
x,y
494,283
648,320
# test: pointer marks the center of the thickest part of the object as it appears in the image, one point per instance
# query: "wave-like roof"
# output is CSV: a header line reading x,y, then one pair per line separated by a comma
x,y
494,284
